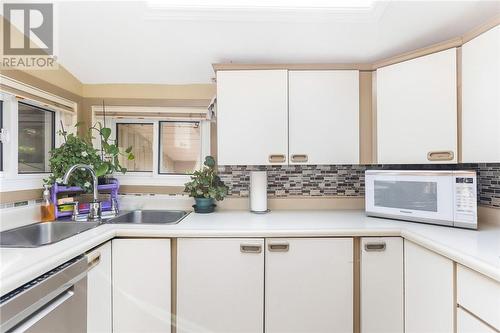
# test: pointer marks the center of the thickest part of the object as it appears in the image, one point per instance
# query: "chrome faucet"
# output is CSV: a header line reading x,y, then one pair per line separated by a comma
x,y
95,206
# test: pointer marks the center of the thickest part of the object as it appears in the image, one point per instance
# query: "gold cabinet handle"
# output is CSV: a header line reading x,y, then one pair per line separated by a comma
x,y
250,248
440,155
277,158
278,247
299,158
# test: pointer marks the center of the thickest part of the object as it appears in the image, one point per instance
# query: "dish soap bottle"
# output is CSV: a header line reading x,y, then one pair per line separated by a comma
x,y
47,207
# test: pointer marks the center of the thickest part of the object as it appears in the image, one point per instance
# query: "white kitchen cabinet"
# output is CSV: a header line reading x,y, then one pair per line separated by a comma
x,y
417,110
220,285
479,294
467,323
382,285
481,98
252,117
429,301
99,301
309,285
141,285
323,117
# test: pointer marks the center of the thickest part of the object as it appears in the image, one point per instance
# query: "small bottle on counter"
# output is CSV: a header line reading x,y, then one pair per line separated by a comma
x,y
47,207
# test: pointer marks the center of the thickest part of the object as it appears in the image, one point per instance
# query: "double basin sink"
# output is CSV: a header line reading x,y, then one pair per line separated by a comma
x,y
39,234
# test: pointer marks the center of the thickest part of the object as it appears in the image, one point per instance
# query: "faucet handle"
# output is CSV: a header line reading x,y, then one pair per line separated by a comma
x,y
95,210
114,206
76,211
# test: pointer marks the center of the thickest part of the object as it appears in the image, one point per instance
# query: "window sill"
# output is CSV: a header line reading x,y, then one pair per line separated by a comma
x,y
150,179
22,182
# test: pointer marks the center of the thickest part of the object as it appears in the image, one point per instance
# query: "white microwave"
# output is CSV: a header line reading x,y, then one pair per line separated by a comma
x,y
436,197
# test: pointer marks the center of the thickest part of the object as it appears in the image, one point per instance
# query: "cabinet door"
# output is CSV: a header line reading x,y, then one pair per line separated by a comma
x,y
417,110
141,285
252,117
466,323
429,303
220,285
309,285
480,98
382,285
324,117
99,301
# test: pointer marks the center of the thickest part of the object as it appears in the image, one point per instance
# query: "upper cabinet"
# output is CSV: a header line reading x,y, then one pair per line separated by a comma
x,y
281,117
417,110
323,117
252,117
481,98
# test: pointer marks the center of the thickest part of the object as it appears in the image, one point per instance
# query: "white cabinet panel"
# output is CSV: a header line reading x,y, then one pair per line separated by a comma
x,y
220,285
381,285
141,285
479,294
481,98
417,109
466,323
429,303
252,116
99,301
324,116
309,285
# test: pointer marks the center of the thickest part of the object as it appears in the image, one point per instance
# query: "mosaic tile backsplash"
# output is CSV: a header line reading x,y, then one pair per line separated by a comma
x,y
346,180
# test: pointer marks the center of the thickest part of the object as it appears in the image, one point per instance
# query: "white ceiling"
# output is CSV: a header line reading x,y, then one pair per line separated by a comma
x,y
157,42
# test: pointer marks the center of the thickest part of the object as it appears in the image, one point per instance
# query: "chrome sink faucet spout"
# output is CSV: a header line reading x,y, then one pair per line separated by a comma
x,y
95,205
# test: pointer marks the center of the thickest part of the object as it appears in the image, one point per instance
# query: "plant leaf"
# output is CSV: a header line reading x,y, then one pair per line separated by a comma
x,y
102,170
128,150
105,132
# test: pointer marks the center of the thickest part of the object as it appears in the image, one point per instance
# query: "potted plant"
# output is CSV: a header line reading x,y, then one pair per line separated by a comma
x,y
205,187
76,150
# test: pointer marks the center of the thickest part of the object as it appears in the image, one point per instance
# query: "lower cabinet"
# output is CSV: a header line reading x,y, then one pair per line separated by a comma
x,y
381,285
467,323
220,285
309,285
99,290
429,301
141,285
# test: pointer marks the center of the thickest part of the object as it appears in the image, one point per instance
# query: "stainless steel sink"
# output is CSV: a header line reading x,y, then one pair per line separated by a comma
x,y
150,217
38,234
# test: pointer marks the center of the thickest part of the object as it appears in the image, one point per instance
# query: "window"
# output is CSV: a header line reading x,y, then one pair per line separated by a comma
x,y
36,137
1,143
180,149
140,137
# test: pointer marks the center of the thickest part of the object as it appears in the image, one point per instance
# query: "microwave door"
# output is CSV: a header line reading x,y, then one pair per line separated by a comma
x,y
419,198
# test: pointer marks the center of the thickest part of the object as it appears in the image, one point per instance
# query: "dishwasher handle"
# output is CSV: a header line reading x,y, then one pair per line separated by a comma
x,y
38,293
44,311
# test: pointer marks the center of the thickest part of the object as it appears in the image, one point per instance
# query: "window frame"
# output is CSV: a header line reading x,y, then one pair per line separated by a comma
x,y
53,134
159,144
1,132
10,178
152,178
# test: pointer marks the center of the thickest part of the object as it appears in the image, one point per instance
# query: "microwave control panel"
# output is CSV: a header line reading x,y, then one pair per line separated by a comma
x,y
465,199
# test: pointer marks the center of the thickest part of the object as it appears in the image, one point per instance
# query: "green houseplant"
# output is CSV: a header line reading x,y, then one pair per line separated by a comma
x,y
206,186
76,150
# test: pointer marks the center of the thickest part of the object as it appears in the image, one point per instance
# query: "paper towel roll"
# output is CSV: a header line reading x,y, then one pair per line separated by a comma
x,y
258,191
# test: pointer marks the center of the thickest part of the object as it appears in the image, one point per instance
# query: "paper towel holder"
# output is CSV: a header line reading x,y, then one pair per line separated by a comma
x,y
258,192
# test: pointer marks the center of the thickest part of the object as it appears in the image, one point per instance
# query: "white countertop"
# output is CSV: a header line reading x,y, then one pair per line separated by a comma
x,y
479,250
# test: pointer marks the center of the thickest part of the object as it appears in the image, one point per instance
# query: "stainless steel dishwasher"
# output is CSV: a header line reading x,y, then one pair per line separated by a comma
x,y
54,302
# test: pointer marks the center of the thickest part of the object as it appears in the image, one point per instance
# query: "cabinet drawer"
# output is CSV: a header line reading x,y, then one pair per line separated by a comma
x,y
479,294
466,323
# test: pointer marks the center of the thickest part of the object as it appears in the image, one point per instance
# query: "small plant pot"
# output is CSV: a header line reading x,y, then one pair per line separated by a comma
x,y
204,205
